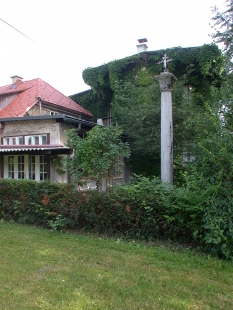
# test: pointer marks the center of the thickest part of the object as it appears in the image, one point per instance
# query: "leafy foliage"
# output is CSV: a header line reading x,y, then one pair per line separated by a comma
x,y
212,177
128,87
193,65
98,155
223,34
94,102
223,28
198,212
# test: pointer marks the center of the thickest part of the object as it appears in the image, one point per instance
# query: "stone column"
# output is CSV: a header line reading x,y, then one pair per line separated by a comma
x,y
165,80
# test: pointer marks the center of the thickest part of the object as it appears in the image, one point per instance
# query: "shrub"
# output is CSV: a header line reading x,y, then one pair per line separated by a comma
x,y
146,209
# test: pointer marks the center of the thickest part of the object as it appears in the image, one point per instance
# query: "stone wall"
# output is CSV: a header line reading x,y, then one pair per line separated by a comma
x,y
32,127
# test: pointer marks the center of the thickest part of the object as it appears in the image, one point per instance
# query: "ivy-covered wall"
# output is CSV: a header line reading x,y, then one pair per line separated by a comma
x,y
94,102
129,88
196,66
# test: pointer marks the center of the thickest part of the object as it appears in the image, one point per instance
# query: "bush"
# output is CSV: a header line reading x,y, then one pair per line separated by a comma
x,y
215,231
146,209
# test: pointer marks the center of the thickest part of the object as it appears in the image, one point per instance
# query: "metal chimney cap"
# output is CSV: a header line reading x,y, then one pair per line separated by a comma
x,y
16,76
142,40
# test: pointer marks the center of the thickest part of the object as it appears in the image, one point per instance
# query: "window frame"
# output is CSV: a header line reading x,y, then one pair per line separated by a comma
x,y
37,139
20,167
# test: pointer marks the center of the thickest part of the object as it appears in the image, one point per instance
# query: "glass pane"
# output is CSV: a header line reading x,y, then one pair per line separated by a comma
x,y
32,159
44,139
36,139
21,172
11,167
32,166
6,141
29,140
43,167
20,140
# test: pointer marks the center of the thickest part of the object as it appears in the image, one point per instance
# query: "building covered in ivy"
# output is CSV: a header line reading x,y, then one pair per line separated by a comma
x,y
124,92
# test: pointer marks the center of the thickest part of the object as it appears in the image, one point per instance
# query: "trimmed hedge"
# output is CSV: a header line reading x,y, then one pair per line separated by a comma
x,y
145,210
141,210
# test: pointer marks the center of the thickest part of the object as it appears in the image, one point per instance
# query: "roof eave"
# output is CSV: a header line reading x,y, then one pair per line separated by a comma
x,y
61,118
45,103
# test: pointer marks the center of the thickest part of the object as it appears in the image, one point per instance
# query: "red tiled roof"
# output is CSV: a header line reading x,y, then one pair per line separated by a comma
x,y
29,92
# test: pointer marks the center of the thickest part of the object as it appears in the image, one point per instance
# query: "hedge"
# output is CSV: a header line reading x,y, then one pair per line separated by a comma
x,y
131,211
145,210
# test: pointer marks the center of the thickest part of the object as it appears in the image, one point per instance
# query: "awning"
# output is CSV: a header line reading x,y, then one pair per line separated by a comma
x,y
47,149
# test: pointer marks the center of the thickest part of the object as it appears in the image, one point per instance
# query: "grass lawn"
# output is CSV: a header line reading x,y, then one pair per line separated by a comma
x,y
42,269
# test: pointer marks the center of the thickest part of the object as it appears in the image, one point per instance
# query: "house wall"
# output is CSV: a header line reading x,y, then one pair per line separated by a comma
x,y
38,109
62,128
57,136
56,130
55,176
33,127
35,111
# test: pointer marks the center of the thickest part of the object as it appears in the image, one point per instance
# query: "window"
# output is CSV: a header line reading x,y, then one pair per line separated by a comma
x,y
44,139
53,113
21,171
6,141
36,139
20,140
43,167
26,140
13,140
11,172
33,167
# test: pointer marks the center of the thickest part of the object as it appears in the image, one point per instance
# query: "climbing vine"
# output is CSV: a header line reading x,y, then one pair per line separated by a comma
x,y
96,103
203,63
129,88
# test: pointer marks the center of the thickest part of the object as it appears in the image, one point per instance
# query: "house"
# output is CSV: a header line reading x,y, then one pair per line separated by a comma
x,y
33,119
125,92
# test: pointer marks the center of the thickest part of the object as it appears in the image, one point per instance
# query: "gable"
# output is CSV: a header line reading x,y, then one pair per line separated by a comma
x,y
17,99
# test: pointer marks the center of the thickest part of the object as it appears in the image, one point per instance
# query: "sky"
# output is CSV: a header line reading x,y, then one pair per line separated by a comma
x,y
61,38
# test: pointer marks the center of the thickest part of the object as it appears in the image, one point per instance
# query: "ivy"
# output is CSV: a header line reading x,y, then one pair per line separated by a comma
x,y
96,103
129,87
199,67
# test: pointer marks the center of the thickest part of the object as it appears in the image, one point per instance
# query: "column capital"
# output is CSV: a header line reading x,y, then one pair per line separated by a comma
x,y
166,79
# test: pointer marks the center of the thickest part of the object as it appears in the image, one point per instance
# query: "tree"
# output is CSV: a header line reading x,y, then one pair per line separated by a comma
x,y
98,156
223,27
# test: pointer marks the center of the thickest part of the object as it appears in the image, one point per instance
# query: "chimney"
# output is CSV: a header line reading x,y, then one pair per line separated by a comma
x,y
16,80
142,47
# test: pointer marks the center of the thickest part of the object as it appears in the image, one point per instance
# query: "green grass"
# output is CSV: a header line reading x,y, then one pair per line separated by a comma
x,y
42,269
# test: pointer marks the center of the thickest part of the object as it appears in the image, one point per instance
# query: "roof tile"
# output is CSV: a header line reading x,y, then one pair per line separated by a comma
x,y
29,92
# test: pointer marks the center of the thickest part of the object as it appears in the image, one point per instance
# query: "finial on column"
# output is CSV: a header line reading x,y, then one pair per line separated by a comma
x,y
165,60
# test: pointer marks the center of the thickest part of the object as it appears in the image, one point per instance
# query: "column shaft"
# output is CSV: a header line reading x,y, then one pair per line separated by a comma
x,y
166,137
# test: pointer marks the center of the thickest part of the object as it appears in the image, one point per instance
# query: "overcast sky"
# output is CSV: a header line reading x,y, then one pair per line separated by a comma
x,y
67,36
